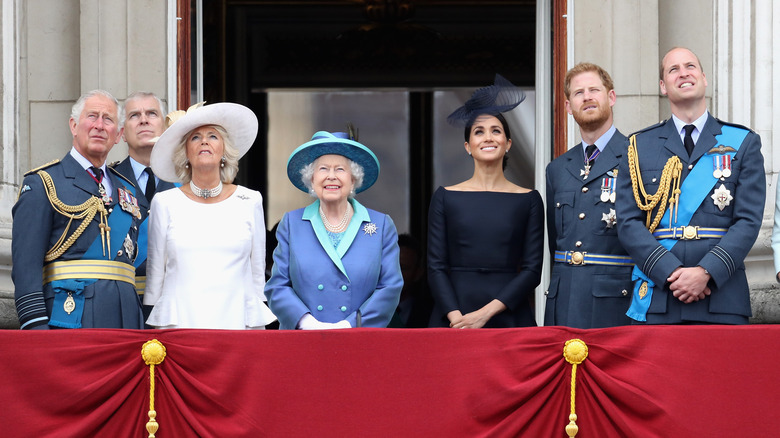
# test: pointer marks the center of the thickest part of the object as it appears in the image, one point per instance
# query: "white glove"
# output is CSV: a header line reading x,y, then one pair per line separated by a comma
x,y
309,322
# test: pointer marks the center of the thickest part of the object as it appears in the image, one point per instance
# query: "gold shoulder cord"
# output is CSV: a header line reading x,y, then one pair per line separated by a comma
x,y
85,211
670,177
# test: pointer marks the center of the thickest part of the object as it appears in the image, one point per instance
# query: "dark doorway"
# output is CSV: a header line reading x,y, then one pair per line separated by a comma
x,y
421,49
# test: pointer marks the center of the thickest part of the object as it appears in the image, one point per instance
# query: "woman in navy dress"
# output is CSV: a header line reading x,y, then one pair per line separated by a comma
x,y
485,234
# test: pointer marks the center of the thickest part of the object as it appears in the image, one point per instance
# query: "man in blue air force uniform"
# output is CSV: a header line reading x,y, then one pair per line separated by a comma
x,y
75,229
692,208
591,276
144,123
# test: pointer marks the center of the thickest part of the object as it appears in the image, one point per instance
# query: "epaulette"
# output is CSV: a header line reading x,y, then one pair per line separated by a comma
x,y
113,164
736,125
116,172
648,128
49,164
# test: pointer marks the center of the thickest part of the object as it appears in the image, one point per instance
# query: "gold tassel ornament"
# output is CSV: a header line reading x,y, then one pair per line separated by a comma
x,y
153,353
575,352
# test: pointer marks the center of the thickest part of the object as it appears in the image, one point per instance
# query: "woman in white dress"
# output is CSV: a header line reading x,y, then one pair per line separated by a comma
x,y
206,257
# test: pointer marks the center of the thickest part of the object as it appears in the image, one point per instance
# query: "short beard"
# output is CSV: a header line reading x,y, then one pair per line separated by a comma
x,y
591,123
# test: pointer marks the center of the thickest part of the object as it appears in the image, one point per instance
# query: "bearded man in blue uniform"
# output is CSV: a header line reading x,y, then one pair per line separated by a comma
x,y
692,207
591,276
75,231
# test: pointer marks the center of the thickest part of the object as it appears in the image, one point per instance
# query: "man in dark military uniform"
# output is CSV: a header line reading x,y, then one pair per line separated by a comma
x,y
75,229
692,207
591,276
144,123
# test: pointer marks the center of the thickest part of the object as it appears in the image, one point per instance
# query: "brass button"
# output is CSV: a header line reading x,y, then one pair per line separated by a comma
x,y
582,216
547,292
584,190
578,244
558,204
690,166
624,292
655,179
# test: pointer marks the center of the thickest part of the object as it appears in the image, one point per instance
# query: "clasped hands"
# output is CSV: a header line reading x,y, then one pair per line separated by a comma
x,y
309,322
689,284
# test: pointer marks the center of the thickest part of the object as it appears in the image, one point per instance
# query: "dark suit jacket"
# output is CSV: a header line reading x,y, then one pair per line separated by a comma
x,y
591,295
126,169
723,258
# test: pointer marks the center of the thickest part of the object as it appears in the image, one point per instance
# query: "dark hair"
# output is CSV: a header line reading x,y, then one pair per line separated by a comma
x,y
499,116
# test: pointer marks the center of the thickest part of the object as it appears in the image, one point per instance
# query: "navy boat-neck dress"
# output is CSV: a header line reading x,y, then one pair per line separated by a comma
x,y
484,246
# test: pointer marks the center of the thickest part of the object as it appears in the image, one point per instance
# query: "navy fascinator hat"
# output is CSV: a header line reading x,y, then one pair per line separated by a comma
x,y
494,99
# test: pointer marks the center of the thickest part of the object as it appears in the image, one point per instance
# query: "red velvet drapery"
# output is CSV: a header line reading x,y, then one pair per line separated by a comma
x,y
689,381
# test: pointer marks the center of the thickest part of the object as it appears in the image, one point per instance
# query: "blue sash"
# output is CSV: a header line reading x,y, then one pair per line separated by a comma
x,y
694,190
120,222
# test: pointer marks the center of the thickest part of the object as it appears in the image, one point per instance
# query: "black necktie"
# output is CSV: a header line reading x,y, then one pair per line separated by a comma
x,y
151,187
98,172
688,141
589,150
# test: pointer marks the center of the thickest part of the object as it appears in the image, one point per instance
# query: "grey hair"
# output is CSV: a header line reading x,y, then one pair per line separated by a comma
x,y
355,169
142,94
78,107
229,154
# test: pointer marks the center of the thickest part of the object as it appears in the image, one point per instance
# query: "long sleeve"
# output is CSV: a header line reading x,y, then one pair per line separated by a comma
x,y
159,218
282,299
378,308
530,268
438,259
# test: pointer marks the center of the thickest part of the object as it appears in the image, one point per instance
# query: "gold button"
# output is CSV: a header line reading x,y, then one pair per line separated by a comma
x,y
654,180
558,204
690,166
577,258
578,244
624,292
582,215
547,292
584,190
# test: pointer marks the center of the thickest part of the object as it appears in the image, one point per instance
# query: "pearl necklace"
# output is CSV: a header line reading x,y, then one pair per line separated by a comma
x,y
341,226
206,193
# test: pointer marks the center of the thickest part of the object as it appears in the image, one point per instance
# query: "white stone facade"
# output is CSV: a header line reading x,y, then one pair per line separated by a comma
x,y
54,50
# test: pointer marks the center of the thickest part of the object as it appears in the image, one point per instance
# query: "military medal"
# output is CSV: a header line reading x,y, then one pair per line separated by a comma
x,y
608,190
716,165
726,166
722,197
103,195
610,218
588,160
70,304
129,247
129,203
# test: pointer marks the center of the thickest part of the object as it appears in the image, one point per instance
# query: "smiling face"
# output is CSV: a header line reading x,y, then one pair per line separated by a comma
x,y
204,148
144,121
487,140
682,78
97,130
332,179
590,103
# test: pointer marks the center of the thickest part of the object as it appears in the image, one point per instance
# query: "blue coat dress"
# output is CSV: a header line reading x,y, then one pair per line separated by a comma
x,y
578,219
362,276
722,257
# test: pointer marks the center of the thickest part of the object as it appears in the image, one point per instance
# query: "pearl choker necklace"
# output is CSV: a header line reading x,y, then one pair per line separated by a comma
x,y
206,193
341,226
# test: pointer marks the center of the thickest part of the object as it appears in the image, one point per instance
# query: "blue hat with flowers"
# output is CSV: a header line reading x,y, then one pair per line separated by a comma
x,y
336,143
500,97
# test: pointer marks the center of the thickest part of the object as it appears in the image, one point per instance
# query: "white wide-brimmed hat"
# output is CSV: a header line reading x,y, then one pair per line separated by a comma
x,y
239,122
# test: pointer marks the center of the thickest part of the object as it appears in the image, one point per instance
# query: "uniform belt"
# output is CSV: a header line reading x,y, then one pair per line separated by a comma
x,y
140,284
97,269
589,258
689,233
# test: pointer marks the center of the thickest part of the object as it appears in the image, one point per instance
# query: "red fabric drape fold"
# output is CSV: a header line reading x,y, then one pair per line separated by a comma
x,y
637,381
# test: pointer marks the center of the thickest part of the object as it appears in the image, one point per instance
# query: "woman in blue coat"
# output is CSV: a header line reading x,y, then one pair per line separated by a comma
x,y
337,262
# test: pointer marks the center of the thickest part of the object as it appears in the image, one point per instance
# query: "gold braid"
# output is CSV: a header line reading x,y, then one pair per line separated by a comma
x,y
85,211
670,178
